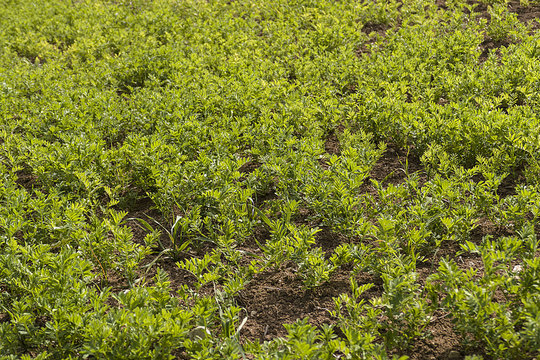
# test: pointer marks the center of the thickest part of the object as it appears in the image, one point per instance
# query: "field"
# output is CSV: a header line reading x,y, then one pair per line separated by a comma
x,y
254,179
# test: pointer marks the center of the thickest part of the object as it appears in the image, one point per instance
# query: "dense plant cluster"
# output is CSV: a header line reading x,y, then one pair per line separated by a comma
x,y
249,127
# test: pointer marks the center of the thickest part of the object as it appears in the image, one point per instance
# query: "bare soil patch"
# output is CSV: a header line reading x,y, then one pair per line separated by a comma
x,y
489,44
394,167
4,317
331,144
509,183
526,14
442,343
396,164
277,296
26,179
328,240
249,167
487,227
267,195
379,28
441,4
376,31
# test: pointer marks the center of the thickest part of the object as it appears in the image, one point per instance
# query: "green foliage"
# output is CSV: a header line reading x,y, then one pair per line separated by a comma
x,y
494,308
503,24
232,138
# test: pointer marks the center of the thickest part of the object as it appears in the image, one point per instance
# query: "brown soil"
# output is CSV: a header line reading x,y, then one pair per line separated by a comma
x,y
526,14
267,195
486,227
481,9
277,296
375,33
489,44
328,240
442,343
249,167
441,4
4,317
26,179
375,27
509,183
394,166
331,144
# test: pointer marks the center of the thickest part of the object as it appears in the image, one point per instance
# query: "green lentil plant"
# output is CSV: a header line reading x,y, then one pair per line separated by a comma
x,y
315,268
205,270
503,25
293,242
333,192
419,219
108,245
405,311
352,311
304,341
359,321
379,13
504,325
47,299
151,323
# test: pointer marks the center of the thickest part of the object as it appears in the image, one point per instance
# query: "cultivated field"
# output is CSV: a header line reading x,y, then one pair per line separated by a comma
x,y
256,179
